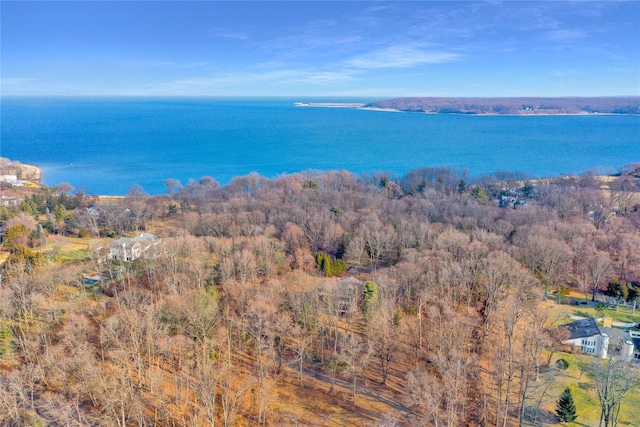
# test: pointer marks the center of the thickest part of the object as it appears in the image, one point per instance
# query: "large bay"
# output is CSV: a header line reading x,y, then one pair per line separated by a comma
x,y
105,145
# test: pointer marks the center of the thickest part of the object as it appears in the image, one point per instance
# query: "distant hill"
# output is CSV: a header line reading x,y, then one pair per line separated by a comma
x,y
513,106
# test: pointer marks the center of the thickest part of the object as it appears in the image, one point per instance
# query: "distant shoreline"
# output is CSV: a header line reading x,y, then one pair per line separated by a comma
x,y
527,107
515,106
394,110
330,104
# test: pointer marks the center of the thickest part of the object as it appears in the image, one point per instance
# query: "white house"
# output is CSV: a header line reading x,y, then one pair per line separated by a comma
x,y
585,335
634,335
625,344
602,342
9,179
132,248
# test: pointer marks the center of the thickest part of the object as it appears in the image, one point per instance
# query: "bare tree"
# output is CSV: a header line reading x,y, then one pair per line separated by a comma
x,y
233,391
425,396
378,239
598,269
614,379
355,354
547,257
621,193
382,333
207,377
300,344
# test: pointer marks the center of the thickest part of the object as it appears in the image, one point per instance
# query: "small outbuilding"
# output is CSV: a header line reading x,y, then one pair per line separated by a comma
x,y
91,279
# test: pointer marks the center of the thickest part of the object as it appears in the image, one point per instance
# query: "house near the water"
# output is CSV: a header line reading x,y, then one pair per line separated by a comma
x,y
132,248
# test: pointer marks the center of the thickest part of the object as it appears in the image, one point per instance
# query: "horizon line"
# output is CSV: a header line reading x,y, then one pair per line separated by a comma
x,y
310,96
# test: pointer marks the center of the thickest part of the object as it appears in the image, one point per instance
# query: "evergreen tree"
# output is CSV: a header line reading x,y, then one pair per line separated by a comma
x,y
617,289
462,186
370,296
479,194
330,267
565,408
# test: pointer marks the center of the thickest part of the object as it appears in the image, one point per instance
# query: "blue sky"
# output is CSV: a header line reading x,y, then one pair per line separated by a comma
x,y
330,48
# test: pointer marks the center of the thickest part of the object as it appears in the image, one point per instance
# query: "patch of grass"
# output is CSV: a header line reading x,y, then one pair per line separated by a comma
x,y
7,347
622,315
561,310
72,256
91,291
584,394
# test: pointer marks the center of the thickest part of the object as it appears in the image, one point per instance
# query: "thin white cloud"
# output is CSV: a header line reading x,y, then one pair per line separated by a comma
x,y
15,81
300,43
401,56
564,73
168,64
196,64
564,35
274,78
235,36
623,69
226,33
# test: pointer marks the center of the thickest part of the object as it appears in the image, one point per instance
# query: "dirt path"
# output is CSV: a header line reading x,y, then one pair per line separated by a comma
x,y
367,391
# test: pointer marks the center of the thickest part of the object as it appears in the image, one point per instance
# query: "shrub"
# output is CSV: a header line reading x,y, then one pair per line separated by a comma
x,y
562,364
14,236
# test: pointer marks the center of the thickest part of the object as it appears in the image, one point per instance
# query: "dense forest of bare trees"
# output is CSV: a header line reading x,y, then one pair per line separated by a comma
x,y
415,299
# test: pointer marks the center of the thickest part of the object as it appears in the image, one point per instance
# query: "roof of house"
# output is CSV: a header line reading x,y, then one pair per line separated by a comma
x,y
129,241
582,328
350,281
616,334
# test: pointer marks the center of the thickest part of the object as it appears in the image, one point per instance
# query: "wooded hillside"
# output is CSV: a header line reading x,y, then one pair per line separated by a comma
x,y
514,106
324,299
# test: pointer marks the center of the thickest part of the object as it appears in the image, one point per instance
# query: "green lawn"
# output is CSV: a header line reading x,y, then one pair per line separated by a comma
x,y
584,394
622,314
66,249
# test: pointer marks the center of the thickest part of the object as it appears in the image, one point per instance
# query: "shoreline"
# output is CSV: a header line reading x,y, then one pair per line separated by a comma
x,y
330,104
365,107
515,106
395,110
111,198
22,172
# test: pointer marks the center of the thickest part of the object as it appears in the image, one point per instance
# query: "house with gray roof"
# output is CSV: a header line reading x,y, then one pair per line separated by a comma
x,y
602,342
585,335
132,248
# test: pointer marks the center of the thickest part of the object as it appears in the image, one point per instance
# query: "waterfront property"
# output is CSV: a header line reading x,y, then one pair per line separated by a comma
x,y
132,248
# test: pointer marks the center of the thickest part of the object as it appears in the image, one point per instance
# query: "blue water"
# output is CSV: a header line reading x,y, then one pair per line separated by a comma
x,y
105,145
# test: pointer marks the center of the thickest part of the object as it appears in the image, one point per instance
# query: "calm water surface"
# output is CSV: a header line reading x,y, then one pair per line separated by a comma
x,y
105,145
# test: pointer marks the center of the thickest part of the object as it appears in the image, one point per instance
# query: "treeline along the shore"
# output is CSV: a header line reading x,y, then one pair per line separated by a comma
x,y
310,299
514,106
